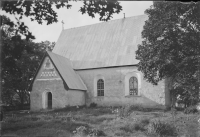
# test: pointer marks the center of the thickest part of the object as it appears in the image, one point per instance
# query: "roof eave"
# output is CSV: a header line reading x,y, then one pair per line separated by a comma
x,y
45,55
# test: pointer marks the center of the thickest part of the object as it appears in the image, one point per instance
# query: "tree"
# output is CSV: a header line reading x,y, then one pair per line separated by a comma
x,y
41,10
171,47
16,82
20,58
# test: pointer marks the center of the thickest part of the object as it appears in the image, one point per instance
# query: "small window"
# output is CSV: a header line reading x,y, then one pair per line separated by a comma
x,y
133,86
100,87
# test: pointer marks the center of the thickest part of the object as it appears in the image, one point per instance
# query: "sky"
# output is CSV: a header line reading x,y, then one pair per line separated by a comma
x,y
73,18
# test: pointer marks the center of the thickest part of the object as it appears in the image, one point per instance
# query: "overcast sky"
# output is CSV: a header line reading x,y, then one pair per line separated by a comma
x,y
73,18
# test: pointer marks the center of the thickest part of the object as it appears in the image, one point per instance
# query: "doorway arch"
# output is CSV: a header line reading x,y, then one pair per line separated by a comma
x,y
47,100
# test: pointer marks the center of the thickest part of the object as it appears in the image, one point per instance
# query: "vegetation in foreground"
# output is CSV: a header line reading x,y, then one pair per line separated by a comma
x,y
97,121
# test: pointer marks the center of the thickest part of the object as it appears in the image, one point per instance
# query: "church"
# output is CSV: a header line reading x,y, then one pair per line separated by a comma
x,y
96,64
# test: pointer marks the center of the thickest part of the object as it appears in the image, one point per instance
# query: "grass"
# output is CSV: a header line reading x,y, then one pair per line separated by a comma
x,y
135,122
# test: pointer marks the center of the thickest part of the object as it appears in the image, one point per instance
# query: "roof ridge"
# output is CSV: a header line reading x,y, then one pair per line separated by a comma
x,y
57,54
65,70
105,22
62,56
102,44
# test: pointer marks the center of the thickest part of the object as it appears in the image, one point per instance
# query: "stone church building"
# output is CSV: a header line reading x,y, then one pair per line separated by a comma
x,y
96,63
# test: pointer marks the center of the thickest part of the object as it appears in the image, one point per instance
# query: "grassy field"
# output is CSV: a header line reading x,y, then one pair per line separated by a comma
x,y
98,121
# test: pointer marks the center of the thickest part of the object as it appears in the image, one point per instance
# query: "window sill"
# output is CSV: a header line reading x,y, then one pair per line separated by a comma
x,y
129,96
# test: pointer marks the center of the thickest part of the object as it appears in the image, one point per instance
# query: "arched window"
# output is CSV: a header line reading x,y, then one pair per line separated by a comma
x,y
133,86
100,87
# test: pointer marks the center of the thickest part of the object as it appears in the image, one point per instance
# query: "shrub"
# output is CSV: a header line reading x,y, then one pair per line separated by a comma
x,y
123,111
80,131
101,111
191,109
93,105
86,131
35,118
141,125
161,129
145,121
128,127
138,126
94,132
131,108
12,120
66,108
198,106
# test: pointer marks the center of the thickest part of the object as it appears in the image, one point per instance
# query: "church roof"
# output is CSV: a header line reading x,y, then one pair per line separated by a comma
x,y
64,67
106,44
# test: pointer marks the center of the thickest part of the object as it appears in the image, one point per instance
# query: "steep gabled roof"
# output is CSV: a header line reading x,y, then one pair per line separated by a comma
x,y
64,68
106,44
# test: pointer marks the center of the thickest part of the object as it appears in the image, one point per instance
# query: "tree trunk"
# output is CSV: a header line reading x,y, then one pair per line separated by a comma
x,y
21,97
173,99
199,76
22,101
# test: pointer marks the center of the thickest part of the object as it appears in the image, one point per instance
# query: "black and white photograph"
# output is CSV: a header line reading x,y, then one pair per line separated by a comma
x,y
99,68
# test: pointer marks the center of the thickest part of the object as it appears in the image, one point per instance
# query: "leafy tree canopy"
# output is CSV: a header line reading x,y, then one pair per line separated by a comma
x,y
171,45
42,10
20,58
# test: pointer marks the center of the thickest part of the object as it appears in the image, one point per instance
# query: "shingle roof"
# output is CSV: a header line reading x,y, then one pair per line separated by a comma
x,y
64,67
106,44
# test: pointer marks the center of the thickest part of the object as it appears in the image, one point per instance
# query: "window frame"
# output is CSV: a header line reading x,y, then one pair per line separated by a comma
x,y
133,87
100,87
126,80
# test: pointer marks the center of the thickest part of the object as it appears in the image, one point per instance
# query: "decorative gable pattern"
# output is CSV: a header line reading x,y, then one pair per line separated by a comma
x,y
48,69
64,67
54,66
48,74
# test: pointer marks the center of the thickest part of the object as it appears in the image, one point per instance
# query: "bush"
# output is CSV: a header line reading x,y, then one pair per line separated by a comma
x,y
138,126
93,105
94,132
86,131
161,129
128,127
12,120
123,111
131,108
141,125
145,121
68,108
191,110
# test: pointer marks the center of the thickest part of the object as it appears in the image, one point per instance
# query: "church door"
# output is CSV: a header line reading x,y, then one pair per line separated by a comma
x,y
49,95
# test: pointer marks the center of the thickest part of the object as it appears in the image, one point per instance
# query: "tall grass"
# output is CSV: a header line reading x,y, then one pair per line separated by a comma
x,y
56,123
140,125
155,128
161,129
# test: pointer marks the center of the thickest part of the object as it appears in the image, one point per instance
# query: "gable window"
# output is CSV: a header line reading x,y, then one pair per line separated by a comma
x,y
100,87
133,86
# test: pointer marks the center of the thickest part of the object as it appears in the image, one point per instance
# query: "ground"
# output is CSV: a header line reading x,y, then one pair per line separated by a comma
x,y
74,122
